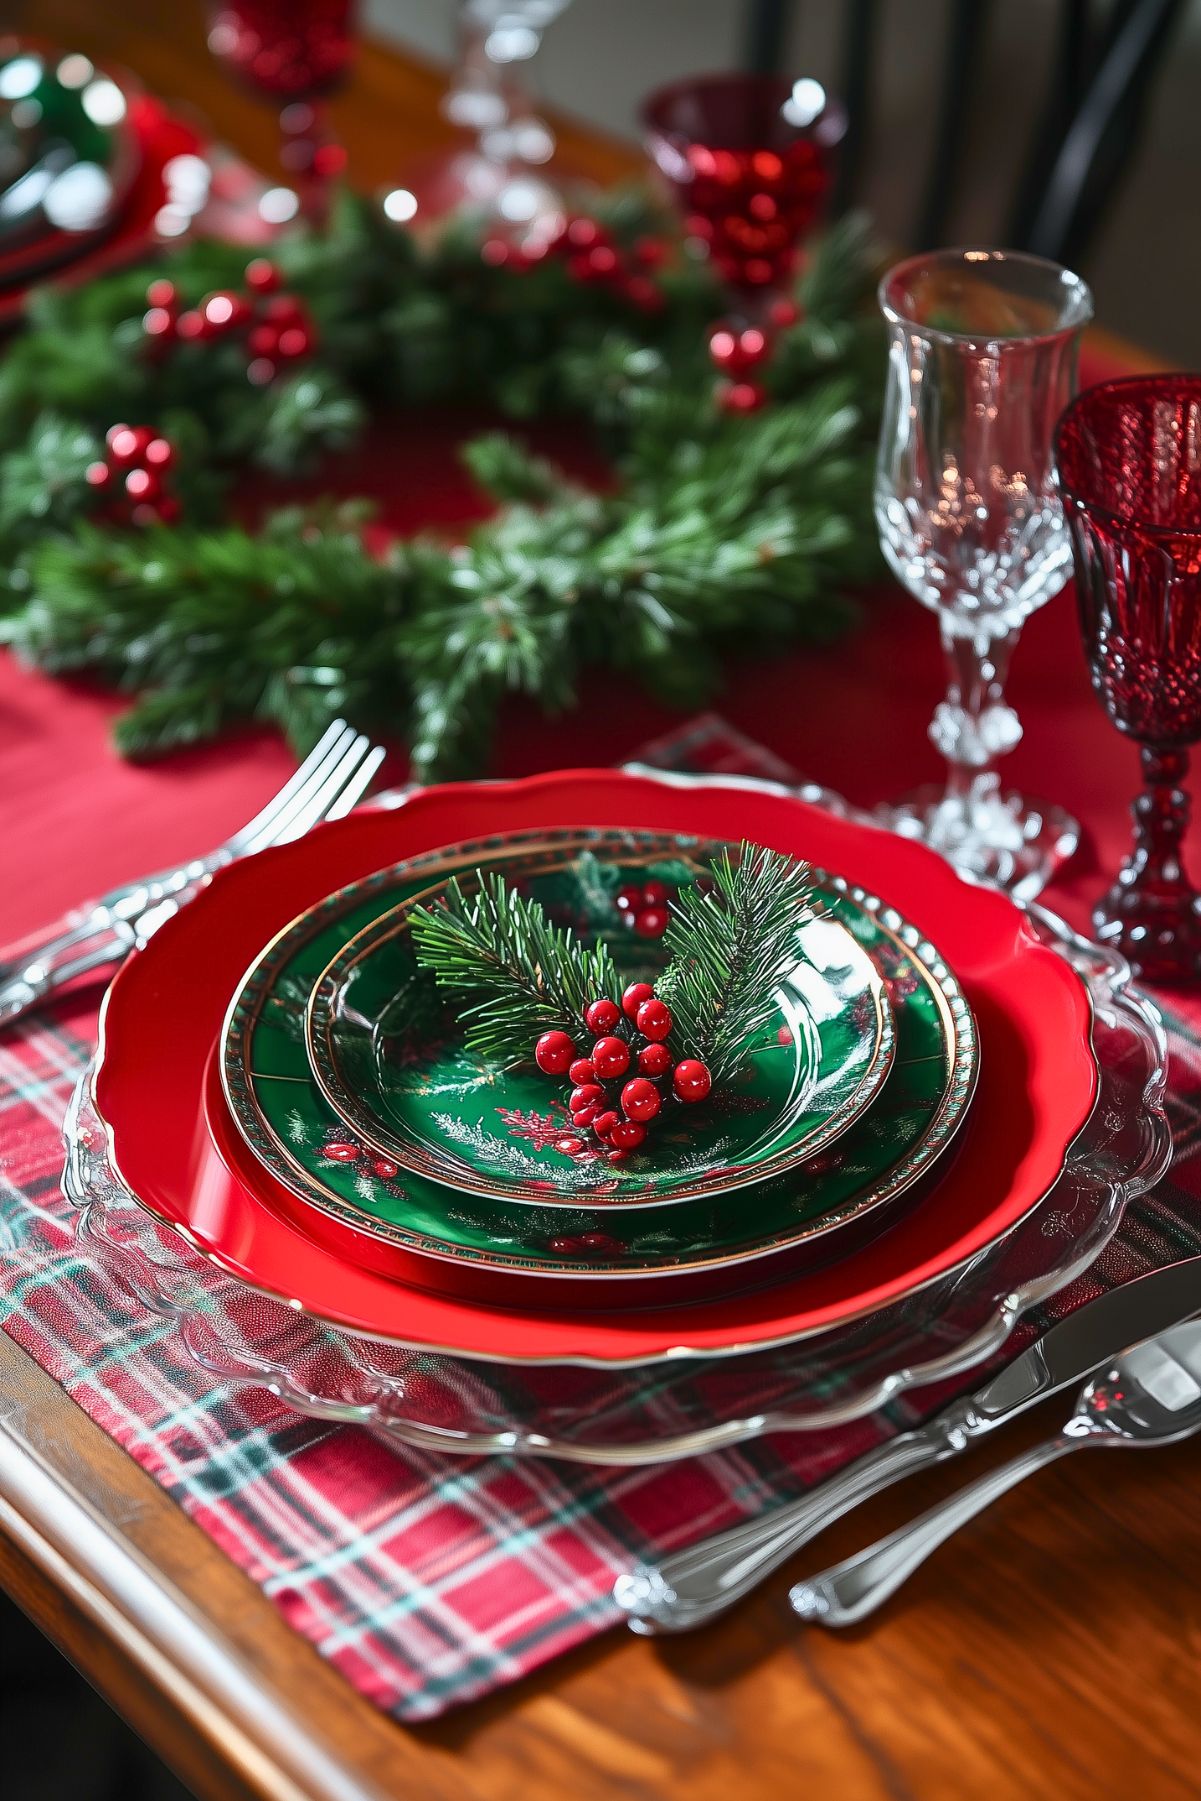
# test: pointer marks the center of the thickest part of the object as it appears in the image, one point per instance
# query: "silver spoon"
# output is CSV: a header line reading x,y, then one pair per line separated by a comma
x,y
1149,1396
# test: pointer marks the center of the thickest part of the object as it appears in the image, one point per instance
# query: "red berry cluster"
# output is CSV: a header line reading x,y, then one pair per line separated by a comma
x,y
633,1034
739,351
275,327
645,908
133,475
593,256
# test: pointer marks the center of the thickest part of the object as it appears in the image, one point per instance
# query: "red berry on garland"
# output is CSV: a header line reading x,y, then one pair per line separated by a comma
x,y
783,313
126,443
341,1153
294,341
650,252
158,323
735,353
584,1116
143,484
601,1017
610,1057
640,1100
602,261
262,275
654,894
224,311
630,899
641,292
192,326
553,1053
98,476
159,453
583,234
604,1123
652,922
691,1080
585,1095
632,999
653,1019
162,293
742,397
627,1134
654,1060
580,1071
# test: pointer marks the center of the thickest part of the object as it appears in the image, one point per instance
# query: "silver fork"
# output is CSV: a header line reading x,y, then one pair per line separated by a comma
x,y
333,776
1148,1396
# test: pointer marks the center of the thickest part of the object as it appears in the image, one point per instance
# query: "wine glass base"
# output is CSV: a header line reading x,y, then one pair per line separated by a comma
x,y
1159,935
1008,840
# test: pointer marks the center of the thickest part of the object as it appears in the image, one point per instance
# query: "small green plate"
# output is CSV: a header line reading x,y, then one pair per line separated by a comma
x,y
295,1134
388,1053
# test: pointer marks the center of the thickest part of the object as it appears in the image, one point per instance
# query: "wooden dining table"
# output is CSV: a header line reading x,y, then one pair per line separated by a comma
x,y
1049,1649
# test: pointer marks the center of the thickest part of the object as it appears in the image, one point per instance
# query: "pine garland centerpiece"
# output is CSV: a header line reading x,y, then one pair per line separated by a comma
x,y
133,409
533,992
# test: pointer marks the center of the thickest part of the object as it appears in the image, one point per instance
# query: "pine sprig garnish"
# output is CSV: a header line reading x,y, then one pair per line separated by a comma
x,y
528,975
731,945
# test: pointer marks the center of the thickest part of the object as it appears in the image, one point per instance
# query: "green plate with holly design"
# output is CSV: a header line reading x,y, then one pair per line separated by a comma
x,y
388,1051
283,1116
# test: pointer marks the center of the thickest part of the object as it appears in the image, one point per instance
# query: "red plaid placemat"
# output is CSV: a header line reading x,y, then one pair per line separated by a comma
x,y
425,1580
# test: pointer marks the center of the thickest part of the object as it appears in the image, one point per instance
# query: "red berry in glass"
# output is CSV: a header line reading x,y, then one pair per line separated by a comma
x,y
553,1053
627,1135
691,1080
580,1071
640,1100
653,1019
610,1057
632,999
654,1060
601,1017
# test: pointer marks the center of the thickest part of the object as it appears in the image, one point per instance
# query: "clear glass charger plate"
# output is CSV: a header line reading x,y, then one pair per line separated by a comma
x,y
683,1406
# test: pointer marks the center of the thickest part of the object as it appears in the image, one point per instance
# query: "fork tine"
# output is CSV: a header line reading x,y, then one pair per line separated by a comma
x,y
278,825
358,784
327,746
326,793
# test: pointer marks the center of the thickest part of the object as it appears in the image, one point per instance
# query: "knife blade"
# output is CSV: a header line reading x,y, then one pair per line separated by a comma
x,y
690,1587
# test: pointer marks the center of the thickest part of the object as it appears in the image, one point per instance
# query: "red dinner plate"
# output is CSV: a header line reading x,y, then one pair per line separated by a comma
x,y
1038,1075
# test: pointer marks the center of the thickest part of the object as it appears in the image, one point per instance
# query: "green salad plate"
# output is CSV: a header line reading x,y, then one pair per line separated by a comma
x,y
388,1051
280,1110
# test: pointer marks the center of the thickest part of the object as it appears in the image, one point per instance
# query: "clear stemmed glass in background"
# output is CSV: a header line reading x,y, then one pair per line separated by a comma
x,y
1129,460
295,52
502,173
981,362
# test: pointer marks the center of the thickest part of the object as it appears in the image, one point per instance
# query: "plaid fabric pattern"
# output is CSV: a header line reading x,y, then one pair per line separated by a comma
x,y
425,1580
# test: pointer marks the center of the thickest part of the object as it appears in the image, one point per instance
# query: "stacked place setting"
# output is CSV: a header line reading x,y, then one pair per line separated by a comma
x,y
619,1141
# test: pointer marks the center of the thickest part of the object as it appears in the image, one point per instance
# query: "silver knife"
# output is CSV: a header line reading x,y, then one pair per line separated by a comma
x,y
693,1586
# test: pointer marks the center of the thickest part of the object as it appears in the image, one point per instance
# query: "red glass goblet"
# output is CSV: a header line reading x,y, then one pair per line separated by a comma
x,y
748,158
1129,461
296,52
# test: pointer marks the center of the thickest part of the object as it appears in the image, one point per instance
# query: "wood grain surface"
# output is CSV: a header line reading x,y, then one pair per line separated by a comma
x,y
1051,1649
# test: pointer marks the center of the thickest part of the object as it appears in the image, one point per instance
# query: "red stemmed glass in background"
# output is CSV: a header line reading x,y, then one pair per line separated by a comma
x,y
1129,461
748,158
296,52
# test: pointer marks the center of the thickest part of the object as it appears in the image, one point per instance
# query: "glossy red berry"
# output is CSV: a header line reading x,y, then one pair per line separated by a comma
x,y
263,340
601,1017
98,476
610,1057
294,341
651,922
654,894
783,313
737,352
585,1094
691,1080
142,484
224,311
341,1153
653,1019
583,234
162,293
627,1135
583,1117
125,445
159,453
262,276
604,1123
629,899
157,322
640,1100
654,1060
192,325
580,1071
632,999
742,397
553,1053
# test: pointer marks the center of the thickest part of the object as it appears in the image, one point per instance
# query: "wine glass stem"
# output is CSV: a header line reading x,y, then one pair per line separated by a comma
x,y
974,725
1161,816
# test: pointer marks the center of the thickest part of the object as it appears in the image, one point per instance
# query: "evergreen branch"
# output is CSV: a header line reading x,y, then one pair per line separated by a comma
x,y
731,946
528,975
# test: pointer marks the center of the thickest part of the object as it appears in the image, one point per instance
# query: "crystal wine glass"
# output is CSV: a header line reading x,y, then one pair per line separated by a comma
x,y
981,362
296,52
748,158
1129,460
